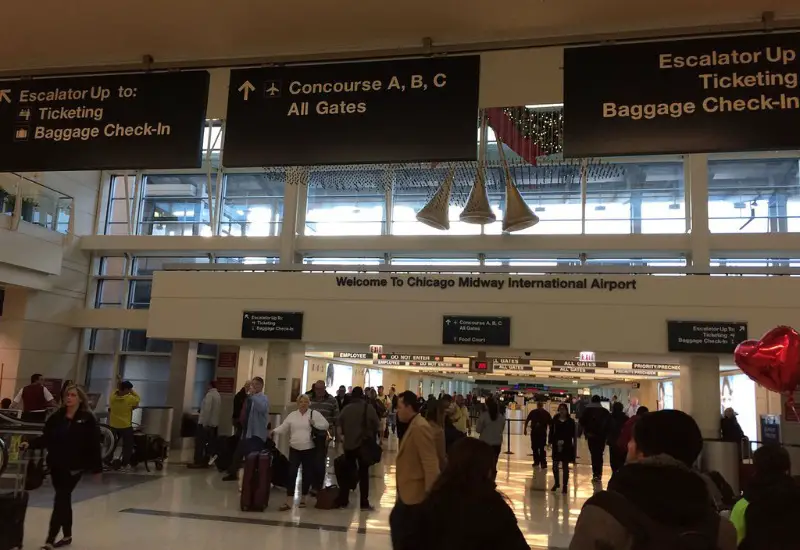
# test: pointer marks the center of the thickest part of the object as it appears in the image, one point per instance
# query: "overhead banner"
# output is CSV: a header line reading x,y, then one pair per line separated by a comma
x,y
691,96
349,113
109,122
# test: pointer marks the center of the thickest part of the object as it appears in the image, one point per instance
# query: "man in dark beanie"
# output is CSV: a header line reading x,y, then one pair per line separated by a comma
x,y
656,500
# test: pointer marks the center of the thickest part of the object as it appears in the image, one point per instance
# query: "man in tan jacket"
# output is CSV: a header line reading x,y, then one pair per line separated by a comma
x,y
417,470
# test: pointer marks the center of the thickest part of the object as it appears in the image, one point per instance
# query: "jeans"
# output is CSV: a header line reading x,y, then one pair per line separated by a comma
x,y
354,463
597,446
64,483
125,436
320,466
204,444
391,422
404,522
306,459
538,442
565,466
244,448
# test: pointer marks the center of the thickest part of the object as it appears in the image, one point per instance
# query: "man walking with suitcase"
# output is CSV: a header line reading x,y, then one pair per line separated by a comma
x,y
255,417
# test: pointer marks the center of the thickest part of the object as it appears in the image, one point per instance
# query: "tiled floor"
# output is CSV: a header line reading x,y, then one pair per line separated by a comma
x,y
182,508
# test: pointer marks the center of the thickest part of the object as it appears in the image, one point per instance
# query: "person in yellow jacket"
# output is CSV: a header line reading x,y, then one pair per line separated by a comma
x,y
122,403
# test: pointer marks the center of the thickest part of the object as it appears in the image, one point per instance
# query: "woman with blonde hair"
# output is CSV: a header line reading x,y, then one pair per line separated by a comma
x,y
72,440
303,426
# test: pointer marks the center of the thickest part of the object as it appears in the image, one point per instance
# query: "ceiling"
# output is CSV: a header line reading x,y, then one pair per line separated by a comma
x,y
97,32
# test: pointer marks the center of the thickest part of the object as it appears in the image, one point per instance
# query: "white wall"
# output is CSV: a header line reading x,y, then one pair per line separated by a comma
x,y
208,306
37,333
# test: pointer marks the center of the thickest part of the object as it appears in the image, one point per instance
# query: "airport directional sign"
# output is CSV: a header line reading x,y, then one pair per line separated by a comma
x,y
476,330
103,122
705,336
272,325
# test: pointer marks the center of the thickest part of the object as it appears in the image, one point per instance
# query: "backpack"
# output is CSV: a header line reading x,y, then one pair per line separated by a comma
x,y
648,534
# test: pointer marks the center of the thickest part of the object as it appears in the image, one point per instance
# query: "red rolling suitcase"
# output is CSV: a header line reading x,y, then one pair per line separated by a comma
x,y
256,482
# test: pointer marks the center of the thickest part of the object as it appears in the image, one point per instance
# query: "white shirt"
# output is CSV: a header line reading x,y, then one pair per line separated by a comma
x,y
209,409
47,396
299,427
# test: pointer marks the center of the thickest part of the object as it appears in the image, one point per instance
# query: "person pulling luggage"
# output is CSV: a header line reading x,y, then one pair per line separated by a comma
x,y
254,418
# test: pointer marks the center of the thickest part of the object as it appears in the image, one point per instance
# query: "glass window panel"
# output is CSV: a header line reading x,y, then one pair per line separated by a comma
x,y
204,348
140,294
113,266
100,377
343,261
176,205
137,340
110,293
437,261
149,376
147,265
253,204
246,260
636,197
753,195
103,340
347,200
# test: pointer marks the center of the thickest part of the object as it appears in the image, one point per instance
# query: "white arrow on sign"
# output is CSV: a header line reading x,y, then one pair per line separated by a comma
x,y
4,95
246,88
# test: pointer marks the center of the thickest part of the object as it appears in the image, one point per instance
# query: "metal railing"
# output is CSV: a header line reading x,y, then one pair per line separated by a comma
x,y
28,200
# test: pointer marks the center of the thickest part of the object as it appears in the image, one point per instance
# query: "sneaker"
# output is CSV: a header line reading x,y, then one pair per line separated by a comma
x,y
212,460
66,541
367,507
230,477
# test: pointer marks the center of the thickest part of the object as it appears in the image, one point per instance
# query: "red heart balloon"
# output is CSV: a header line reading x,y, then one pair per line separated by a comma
x,y
773,361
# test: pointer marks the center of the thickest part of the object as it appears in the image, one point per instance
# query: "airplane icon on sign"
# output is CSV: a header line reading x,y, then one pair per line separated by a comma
x,y
272,88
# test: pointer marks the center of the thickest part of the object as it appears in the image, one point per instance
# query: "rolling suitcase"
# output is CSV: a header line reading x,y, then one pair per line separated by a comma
x,y
256,482
12,519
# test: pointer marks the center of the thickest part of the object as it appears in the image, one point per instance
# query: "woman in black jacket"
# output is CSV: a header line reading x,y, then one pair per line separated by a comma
x,y
562,438
464,486
72,440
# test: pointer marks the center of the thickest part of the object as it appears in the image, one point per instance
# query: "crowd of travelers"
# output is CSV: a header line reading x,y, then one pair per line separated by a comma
x,y
657,498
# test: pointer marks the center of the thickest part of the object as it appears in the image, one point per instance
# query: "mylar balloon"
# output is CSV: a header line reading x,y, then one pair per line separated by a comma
x,y
773,361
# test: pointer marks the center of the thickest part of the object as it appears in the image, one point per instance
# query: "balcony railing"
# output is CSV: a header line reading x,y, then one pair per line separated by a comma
x,y
25,199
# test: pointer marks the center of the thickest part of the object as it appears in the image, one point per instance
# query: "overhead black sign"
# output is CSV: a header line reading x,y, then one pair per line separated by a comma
x,y
477,331
655,366
124,121
705,336
409,357
685,96
583,370
347,113
581,364
272,325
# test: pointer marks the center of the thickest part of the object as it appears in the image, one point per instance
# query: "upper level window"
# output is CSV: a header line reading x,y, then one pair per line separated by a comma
x,y
346,201
760,195
177,205
253,205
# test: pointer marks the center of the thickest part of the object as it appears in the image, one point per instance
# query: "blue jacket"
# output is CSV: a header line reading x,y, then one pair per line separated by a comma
x,y
257,416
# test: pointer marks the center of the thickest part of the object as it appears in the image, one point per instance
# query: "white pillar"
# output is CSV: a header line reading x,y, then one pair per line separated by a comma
x,y
295,178
284,364
180,392
699,391
696,181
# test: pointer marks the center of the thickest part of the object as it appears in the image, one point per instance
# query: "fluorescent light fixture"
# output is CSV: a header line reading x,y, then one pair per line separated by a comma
x,y
545,106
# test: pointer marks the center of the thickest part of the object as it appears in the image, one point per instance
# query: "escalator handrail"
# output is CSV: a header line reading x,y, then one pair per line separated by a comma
x,y
20,423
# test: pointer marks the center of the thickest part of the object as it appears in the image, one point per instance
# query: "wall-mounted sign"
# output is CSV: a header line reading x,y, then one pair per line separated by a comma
x,y
347,113
445,282
476,331
228,360
582,370
705,336
655,366
582,364
350,355
124,121
683,96
409,357
272,325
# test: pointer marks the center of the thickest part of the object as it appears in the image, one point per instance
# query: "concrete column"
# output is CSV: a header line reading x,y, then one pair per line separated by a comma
x,y
295,178
696,174
284,364
699,392
182,370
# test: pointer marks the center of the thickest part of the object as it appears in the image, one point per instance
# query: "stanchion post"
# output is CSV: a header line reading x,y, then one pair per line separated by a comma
x,y
508,437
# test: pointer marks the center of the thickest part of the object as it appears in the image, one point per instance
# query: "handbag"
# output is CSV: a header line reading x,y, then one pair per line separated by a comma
x,y
34,474
369,452
318,437
327,497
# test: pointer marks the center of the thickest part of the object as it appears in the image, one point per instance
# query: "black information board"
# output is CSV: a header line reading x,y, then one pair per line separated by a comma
x,y
476,331
687,96
705,336
272,325
347,113
123,121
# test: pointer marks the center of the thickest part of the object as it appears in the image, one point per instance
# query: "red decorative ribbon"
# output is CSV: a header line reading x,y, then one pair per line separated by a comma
x,y
507,131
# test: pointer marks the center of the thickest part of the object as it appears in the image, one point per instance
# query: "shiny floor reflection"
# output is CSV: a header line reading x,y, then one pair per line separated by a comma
x,y
188,508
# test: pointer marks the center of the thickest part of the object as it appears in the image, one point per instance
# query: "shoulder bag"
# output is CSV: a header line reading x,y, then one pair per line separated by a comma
x,y
370,452
318,437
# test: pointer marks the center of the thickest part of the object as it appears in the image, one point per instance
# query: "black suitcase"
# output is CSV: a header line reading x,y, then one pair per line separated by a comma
x,y
13,507
226,446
